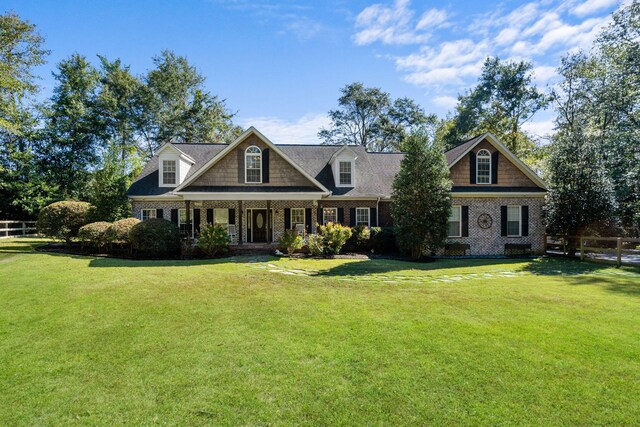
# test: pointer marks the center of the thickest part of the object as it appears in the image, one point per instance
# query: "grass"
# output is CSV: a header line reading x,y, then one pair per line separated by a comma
x,y
262,341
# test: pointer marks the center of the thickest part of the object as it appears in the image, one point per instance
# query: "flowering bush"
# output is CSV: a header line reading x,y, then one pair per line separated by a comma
x,y
334,236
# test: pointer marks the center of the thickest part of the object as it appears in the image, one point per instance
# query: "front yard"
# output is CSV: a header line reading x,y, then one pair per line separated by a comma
x,y
265,341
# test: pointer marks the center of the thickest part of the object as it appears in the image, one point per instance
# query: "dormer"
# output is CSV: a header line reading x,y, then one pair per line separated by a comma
x,y
343,165
173,165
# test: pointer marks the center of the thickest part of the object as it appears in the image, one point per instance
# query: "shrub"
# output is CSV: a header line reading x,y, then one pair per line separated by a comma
x,y
213,240
315,244
119,231
359,240
290,241
62,220
155,237
95,233
334,236
383,240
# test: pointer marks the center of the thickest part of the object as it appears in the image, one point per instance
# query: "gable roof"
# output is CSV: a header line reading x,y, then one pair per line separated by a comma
x,y
183,155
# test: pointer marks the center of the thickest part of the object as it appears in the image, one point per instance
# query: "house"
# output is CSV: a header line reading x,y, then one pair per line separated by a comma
x,y
258,189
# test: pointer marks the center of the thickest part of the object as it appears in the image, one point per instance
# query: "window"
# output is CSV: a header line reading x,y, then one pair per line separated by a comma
x,y
146,214
513,221
297,220
182,220
329,215
455,222
483,167
253,165
345,175
221,217
362,216
169,172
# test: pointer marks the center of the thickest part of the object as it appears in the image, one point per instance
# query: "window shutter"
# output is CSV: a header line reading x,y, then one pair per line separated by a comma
x,y
307,219
287,218
174,216
465,221
265,165
524,211
503,220
232,216
373,217
472,168
352,217
494,167
341,215
319,216
196,220
209,216
159,213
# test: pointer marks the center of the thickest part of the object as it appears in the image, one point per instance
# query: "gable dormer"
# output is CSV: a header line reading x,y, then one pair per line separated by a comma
x,y
343,165
173,166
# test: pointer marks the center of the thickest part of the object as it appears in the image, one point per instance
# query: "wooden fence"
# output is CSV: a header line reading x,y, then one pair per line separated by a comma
x,y
618,250
17,228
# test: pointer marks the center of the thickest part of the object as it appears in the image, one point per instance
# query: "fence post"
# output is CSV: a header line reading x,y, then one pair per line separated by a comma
x,y
24,229
581,248
619,260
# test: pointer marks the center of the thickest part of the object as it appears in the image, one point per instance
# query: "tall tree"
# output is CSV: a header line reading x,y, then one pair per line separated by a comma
x,y
502,102
369,117
22,189
421,201
71,139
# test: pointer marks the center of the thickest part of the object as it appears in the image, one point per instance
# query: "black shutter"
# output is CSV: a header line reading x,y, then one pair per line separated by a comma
x,y
341,215
196,221
352,217
373,217
265,165
465,221
307,219
232,216
524,211
472,168
209,216
494,167
159,213
174,216
503,220
287,218
319,217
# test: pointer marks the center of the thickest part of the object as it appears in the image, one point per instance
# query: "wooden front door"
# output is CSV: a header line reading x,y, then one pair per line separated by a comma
x,y
258,225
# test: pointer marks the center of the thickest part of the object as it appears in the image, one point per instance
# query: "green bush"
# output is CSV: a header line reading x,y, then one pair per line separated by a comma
x,y
62,220
290,241
213,240
359,240
315,244
334,236
118,232
383,240
94,234
155,237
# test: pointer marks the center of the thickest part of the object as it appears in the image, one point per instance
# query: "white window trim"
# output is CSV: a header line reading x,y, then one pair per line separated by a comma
x,y
368,216
304,217
353,173
478,169
459,207
259,165
177,172
192,223
519,221
155,213
324,221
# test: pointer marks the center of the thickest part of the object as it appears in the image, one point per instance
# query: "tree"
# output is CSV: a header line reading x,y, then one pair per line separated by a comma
x,y
421,201
71,138
368,117
503,100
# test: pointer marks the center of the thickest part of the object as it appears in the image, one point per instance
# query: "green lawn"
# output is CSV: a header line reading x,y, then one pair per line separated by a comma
x,y
261,341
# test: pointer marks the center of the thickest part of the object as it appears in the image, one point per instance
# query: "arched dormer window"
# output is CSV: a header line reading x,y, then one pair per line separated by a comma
x,y
253,165
483,167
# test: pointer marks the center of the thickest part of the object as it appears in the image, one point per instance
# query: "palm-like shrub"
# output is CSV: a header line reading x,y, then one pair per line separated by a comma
x,y
290,241
213,240
62,220
94,234
155,237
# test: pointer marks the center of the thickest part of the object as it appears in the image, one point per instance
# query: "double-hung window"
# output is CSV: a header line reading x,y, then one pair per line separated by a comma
x,y
169,172
514,222
182,221
362,216
483,167
146,214
345,173
297,220
221,217
455,222
329,215
253,165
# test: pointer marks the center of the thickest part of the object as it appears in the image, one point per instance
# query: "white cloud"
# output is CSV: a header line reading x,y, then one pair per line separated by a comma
x,y
542,129
446,102
592,6
301,131
544,73
433,18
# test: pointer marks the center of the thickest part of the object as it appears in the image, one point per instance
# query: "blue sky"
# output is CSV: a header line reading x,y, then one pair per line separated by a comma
x,y
280,65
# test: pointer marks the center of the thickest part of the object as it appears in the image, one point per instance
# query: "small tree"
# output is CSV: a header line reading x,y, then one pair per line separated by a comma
x,y
62,220
421,201
213,239
290,241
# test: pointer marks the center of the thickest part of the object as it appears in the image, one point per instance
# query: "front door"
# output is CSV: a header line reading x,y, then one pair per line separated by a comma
x,y
259,225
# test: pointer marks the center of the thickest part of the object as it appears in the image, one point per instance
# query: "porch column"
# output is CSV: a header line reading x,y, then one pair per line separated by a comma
x,y
240,230
188,208
269,221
